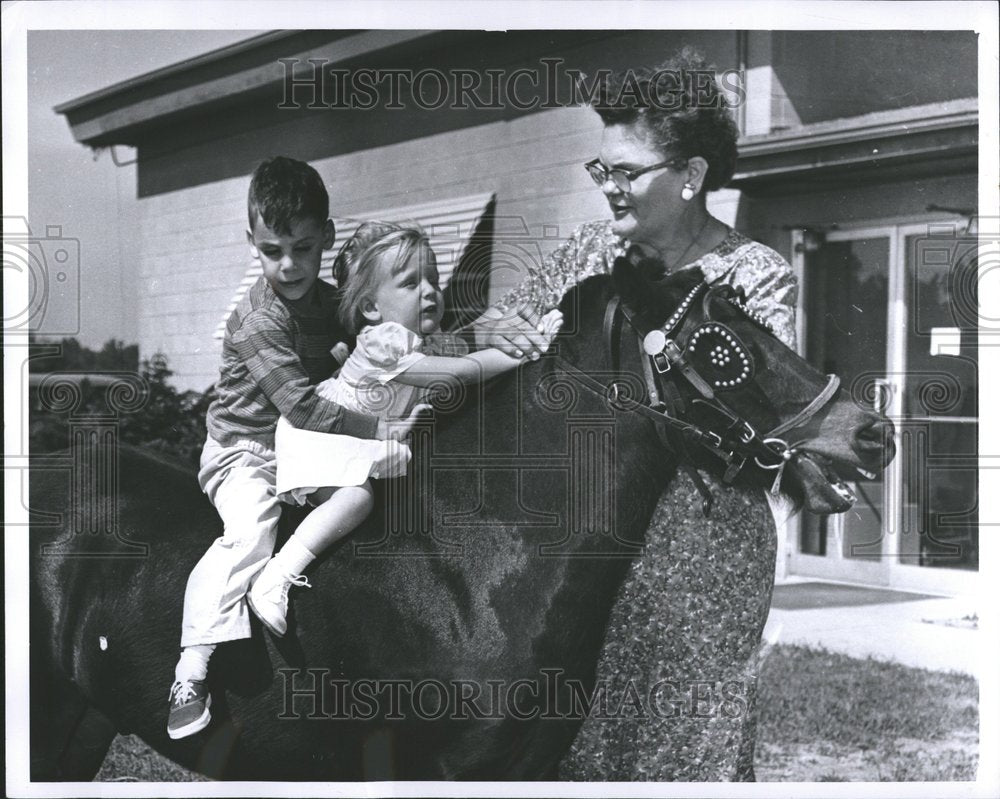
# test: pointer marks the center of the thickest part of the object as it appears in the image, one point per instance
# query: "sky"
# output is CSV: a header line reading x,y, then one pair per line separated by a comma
x,y
90,198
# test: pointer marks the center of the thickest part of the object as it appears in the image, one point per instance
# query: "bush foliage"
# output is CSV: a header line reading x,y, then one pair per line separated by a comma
x,y
68,355
169,421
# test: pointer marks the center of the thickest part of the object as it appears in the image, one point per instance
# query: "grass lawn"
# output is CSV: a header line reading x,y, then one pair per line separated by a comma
x,y
828,717
824,717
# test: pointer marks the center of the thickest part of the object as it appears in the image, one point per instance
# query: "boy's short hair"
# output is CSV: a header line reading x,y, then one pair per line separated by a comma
x,y
283,190
357,266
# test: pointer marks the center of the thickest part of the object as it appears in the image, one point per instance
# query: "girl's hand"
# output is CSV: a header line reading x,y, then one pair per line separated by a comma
x,y
340,353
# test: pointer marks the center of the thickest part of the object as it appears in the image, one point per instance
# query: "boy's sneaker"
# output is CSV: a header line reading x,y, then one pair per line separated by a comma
x,y
268,597
189,708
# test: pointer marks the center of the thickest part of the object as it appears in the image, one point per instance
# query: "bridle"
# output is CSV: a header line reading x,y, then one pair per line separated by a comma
x,y
712,360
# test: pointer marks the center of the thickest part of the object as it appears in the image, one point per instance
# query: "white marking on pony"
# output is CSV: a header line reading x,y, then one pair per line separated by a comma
x,y
102,642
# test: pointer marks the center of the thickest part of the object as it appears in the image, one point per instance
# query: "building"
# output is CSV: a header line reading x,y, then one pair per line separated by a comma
x,y
858,163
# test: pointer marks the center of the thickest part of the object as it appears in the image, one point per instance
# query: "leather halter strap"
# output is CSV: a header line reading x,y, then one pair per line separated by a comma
x,y
807,413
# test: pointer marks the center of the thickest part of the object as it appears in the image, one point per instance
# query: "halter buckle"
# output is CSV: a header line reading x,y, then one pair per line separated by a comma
x,y
661,350
715,440
670,348
654,344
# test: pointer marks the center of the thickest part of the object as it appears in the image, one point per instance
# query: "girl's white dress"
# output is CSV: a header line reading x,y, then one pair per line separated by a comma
x,y
307,460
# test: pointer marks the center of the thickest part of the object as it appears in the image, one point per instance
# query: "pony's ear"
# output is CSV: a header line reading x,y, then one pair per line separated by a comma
x,y
729,292
718,302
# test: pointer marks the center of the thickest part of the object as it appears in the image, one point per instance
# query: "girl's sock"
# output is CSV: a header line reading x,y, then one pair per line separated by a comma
x,y
294,557
193,664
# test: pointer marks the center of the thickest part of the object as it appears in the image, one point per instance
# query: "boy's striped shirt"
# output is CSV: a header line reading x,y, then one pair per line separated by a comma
x,y
274,353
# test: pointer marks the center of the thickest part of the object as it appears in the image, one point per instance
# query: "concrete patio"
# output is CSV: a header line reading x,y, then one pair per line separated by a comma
x,y
931,632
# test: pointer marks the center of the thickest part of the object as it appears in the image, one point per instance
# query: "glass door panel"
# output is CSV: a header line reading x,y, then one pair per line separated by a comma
x,y
939,427
846,301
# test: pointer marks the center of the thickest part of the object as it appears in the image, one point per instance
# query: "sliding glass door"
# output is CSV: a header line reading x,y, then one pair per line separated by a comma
x,y
892,310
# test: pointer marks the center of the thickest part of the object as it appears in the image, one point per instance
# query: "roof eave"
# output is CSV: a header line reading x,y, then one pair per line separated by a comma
x,y
904,141
119,114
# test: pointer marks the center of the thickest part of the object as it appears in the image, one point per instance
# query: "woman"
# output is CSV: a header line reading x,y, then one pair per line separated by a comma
x,y
680,659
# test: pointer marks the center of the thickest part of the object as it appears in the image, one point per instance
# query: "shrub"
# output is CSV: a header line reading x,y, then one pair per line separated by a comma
x,y
166,420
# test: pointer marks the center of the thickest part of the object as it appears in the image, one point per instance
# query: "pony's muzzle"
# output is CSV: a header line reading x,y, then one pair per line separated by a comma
x,y
874,441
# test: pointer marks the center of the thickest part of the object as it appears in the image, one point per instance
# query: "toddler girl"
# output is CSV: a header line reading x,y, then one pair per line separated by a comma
x,y
390,297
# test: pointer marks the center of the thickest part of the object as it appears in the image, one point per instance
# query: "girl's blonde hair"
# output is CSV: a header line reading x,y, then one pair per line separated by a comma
x,y
356,267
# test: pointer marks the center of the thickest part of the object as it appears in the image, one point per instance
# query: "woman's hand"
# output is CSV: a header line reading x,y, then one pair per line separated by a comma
x,y
518,335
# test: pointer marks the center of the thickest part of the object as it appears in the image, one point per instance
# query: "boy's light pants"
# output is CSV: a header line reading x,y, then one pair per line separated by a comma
x,y
239,480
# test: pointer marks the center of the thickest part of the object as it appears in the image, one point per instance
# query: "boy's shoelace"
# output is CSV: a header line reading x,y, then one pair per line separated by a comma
x,y
182,691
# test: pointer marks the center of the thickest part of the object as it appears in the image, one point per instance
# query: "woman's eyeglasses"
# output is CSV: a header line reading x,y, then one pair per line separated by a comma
x,y
622,178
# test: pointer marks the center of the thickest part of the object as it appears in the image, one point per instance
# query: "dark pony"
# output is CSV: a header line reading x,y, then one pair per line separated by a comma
x,y
453,636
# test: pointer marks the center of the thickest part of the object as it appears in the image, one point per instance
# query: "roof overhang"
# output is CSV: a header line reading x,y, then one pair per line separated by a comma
x,y
120,114
888,145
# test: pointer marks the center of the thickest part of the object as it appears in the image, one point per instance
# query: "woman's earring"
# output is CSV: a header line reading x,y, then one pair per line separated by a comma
x,y
687,193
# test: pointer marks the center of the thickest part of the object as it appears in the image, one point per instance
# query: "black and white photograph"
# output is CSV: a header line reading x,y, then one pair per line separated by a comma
x,y
501,399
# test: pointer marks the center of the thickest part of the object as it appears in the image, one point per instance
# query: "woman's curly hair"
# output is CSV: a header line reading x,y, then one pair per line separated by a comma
x,y
681,106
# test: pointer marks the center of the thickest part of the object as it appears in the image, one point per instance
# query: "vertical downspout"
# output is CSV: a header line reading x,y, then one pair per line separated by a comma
x,y
742,56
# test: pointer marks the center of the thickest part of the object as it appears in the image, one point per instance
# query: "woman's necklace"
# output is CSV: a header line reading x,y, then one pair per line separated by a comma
x,y
680,261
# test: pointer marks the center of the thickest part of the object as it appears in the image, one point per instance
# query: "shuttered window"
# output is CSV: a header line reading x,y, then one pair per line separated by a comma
x,y
449,225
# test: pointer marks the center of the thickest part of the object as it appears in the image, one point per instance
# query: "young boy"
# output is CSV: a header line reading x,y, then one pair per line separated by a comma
x,y
277,347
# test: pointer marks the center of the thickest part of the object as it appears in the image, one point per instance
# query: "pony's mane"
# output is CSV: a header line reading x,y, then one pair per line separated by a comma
x,y
579,298
738,301
683,280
